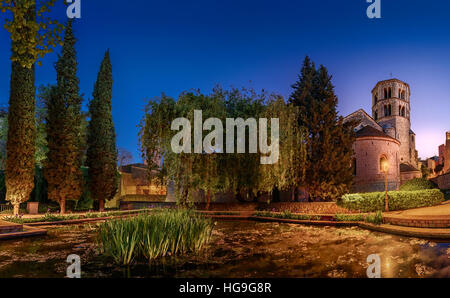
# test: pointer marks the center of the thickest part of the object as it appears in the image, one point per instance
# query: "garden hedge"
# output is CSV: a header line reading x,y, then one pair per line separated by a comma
x,y
398,200
418,184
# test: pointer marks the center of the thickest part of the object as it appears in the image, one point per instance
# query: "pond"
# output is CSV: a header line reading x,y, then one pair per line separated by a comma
x,y
238,249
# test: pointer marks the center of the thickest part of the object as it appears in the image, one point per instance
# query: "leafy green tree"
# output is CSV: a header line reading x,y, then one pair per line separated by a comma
x,y
32,36
63,164
213,173
33,33
289,171
425,171
101,151
329,141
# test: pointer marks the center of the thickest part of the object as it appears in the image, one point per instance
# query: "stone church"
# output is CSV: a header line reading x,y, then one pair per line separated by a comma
x,y
385,136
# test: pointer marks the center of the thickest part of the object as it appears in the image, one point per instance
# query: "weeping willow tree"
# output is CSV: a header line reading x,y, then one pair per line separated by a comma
x,y
289,172
32,37
211,172
190,172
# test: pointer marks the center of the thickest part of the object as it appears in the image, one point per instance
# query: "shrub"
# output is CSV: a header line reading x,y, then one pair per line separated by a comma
x,y
153,235
349,217
418,184
287,215
376,218
398,200
364,202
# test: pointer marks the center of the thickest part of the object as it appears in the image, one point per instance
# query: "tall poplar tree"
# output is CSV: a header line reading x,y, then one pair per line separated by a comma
x,y
32,36
102,152
63,164
20,144
329,141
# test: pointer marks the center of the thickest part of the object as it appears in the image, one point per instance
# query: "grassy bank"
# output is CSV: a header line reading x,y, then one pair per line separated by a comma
x,y
50,217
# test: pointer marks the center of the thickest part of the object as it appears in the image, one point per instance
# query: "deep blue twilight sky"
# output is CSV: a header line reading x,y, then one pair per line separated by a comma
x,y
171,46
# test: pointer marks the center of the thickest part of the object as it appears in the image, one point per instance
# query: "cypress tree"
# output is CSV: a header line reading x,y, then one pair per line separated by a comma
x,y
102,153
20,144
329,141
63,164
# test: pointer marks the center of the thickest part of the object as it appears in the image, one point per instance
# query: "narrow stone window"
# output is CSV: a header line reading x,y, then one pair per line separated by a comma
x,y
383,162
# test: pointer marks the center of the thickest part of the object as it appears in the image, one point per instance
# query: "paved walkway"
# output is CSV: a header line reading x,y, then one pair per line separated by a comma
x,y
428,217
436,211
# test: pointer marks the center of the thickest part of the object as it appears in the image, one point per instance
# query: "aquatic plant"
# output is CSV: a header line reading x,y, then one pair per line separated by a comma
x,y
153,235
376,218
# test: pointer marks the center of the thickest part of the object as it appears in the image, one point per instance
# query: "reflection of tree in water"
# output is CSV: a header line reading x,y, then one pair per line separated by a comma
x,y
241,249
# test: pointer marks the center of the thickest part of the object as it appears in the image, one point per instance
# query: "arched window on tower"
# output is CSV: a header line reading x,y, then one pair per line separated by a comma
x,y
399,93
385,111
390,110
385,93
403,112
376,115
390,93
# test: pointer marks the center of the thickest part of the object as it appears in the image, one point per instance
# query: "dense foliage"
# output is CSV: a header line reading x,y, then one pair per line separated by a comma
x,y
63,163
418,184
329,141
33,34
101,152
398,200
20,144
215,172
153,235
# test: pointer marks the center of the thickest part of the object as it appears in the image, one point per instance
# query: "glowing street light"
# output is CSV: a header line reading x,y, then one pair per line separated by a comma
x,y
385,169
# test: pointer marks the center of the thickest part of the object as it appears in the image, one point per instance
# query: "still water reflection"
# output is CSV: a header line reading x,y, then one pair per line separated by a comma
x,y
238,249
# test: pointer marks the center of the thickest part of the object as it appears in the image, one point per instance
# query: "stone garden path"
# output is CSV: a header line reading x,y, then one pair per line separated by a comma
x,y
428,217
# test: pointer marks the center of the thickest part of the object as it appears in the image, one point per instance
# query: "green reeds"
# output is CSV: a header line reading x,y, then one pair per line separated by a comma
x,y
153,235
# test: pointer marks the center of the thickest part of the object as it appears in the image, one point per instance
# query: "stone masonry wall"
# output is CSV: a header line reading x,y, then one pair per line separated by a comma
x,y
368,152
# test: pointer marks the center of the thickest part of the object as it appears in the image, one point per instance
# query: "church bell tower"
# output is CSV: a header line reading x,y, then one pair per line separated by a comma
x,y
391,110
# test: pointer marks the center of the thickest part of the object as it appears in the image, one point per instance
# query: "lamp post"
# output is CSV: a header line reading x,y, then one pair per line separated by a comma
x,y
385,166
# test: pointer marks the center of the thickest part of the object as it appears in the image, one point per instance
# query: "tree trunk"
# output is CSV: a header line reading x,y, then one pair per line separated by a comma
x,y
239,196
16,209
62,206
256,198
208,199
101,205
276,195
296,194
